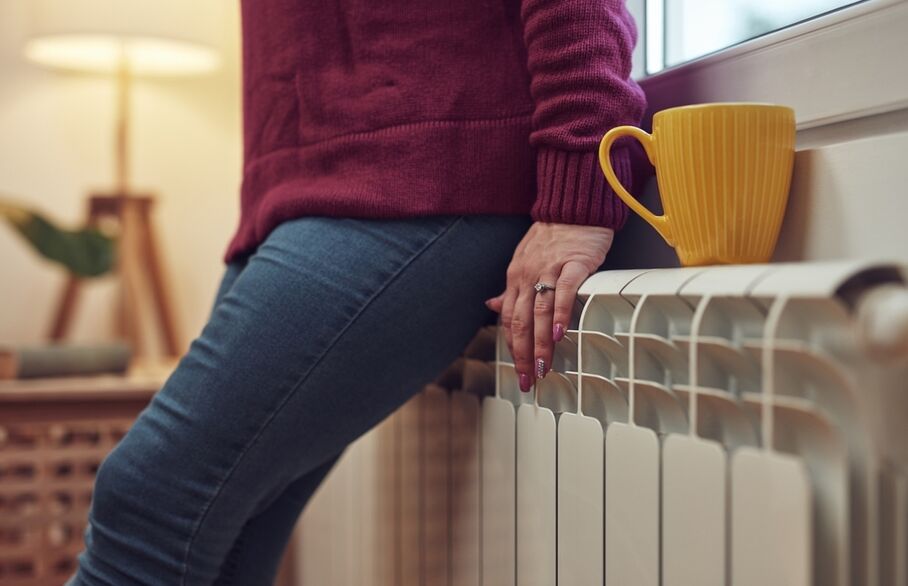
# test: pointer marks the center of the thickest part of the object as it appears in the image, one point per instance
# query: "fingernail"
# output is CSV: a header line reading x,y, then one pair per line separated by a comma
x,y
524,382
540,368
558,332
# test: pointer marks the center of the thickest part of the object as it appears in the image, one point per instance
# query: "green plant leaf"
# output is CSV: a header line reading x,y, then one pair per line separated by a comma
x,y
86,252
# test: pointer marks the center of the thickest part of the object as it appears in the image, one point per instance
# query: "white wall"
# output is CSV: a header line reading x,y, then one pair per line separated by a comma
x,y
56,134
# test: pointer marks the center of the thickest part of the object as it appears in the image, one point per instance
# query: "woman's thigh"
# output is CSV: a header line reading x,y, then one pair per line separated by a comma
x,y
231,271
331,325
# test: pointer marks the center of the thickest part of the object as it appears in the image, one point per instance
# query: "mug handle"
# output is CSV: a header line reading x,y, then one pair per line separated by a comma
x,y
660,223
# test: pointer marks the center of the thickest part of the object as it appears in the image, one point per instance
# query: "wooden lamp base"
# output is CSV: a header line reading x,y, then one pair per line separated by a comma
x,y
138,264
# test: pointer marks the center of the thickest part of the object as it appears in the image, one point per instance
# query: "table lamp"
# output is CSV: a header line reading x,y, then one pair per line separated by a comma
x,y
124,39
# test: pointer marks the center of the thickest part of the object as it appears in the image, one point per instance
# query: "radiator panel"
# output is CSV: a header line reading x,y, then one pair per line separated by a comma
x,y
464,489
536,499
632,505
410,542
434,486
499,492
694,493
770,520
700,426
581,500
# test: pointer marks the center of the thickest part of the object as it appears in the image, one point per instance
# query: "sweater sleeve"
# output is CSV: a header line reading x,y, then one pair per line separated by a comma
x,y
579,58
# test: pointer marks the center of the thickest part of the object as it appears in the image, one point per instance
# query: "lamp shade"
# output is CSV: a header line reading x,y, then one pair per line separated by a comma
x,y
150,37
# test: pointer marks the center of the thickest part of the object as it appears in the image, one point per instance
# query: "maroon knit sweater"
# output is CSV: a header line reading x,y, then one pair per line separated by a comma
x,y
402,108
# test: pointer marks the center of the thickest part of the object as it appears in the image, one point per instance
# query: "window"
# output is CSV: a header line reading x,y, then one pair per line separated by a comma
x,y
676,31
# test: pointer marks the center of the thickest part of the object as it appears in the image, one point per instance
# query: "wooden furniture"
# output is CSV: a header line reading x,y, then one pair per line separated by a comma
x,y
140,273
54,433
53,436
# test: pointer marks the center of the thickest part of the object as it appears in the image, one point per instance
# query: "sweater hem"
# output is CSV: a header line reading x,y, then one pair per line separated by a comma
x,y
410,170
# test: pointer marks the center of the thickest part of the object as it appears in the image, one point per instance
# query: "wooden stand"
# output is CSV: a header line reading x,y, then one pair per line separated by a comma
x,y
138,260
53,435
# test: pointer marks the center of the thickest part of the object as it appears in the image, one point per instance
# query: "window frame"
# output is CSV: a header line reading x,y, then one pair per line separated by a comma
x,y
836,67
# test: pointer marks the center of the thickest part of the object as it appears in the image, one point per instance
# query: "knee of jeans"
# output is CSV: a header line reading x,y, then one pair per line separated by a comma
x,y
122,497
127,526
111,486
137,491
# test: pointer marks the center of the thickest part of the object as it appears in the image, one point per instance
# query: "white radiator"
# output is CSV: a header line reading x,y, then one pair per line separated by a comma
x,y
703,426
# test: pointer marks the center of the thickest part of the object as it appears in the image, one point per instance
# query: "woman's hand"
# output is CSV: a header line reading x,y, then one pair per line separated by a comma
x,y
563,255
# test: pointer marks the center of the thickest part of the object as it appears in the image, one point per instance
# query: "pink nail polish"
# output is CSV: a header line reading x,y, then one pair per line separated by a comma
x,y
524,382
557,332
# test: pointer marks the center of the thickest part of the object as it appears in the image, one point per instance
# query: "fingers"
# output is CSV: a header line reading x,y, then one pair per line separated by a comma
x,y
552,313
573,274
495,303
522,336
533,322
507,313
543,308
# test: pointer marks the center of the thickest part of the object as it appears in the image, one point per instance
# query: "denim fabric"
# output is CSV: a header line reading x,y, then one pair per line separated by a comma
x,y
325,330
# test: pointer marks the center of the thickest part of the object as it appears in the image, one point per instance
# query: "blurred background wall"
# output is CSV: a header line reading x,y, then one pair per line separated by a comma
x,y
56,146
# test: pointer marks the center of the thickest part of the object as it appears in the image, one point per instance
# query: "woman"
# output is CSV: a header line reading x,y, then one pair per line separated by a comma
x,y
404,161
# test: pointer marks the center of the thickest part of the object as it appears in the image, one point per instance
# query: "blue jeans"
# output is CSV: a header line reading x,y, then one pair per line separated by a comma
x,y
325,330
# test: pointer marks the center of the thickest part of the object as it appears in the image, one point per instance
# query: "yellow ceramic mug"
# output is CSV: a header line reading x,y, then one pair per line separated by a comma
x,y
724,172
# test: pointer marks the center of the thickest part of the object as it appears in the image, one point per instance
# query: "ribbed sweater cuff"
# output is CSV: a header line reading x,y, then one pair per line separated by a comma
x,y
571,188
